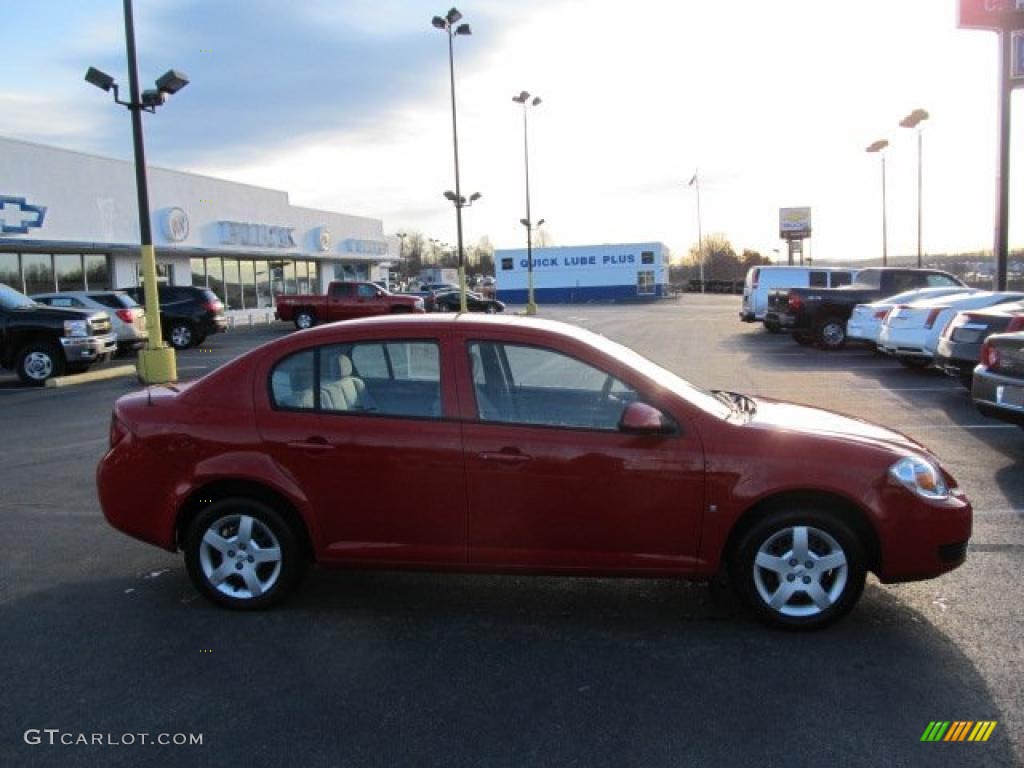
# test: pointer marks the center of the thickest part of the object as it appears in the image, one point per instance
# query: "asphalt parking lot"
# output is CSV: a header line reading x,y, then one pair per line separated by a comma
x,y
103,634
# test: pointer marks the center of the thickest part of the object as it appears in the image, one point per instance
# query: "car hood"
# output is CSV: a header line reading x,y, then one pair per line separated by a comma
x,y
804,419
41,311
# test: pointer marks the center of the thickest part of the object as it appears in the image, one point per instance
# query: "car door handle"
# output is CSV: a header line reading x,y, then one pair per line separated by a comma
x,y
314,444
505,456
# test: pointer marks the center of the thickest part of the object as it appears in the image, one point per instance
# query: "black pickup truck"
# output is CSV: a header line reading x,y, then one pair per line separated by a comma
x,y
41,342
819,315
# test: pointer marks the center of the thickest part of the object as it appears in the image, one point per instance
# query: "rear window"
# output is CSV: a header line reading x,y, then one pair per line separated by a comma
x,y
114,300
818,279
840,279
869,278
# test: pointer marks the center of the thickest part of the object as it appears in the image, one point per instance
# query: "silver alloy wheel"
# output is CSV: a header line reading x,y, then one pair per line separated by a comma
x,y
38,366
240,557
303,320
800,571
832,333
181,336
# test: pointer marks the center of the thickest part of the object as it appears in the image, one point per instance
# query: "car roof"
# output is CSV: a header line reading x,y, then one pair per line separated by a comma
x,y
445,322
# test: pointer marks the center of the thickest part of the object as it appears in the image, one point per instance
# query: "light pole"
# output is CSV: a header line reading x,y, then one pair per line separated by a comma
x,y
447,24
401,258
878,147
695,180
914,120
156,361
524,99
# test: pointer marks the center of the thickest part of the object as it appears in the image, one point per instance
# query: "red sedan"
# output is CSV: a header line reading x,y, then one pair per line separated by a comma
x,y
561,452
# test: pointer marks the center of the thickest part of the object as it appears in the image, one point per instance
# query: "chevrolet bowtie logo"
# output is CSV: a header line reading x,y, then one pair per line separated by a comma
x,y
16,215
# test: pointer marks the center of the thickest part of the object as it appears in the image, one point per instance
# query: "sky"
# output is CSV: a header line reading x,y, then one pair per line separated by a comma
x,y
346,105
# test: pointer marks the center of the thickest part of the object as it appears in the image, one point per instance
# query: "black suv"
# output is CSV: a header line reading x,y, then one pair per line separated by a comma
x,y
188,314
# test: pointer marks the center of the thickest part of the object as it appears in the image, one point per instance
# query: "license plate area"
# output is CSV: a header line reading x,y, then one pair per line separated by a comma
x,y
1007,394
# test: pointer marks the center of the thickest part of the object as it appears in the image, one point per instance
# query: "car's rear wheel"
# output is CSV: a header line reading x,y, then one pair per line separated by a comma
x,y
831,333
241,553
304,319
39,361
799,568
181,335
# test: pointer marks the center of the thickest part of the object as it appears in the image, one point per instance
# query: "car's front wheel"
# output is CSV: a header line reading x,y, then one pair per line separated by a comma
x,y
799,569
39,361
241,553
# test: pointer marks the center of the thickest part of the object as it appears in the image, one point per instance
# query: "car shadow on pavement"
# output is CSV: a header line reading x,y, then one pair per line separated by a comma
x,y
381,668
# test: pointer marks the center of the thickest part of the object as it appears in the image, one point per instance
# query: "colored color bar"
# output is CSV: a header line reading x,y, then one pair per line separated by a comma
x,y
988,731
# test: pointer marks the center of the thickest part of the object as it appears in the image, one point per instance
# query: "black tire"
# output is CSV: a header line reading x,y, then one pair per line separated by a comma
x,y
773,327
491,309
803,340
38,361
268,527
827,535
181,334
831,333
914,363
305,318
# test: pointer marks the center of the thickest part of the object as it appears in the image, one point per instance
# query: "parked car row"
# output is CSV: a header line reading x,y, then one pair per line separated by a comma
x,y
923,318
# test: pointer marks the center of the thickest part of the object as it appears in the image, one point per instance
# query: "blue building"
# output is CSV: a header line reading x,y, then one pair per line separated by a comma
x,y
582,273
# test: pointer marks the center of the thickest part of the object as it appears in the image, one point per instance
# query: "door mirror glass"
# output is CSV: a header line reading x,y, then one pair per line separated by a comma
x,y
643,419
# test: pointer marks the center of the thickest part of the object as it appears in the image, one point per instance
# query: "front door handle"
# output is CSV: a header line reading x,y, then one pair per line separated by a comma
x,y
505,456
314,444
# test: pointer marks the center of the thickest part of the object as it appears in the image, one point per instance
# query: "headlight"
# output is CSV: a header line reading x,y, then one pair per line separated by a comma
x,y
76,328
920,476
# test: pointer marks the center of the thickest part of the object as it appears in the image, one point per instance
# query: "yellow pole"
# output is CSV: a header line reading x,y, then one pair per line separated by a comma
x,y
157,364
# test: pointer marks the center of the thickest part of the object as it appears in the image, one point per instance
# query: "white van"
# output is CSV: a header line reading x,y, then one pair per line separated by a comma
x,y
761,280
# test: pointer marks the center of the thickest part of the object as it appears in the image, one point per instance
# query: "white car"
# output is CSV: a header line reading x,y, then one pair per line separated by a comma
x,y
865,323
910,332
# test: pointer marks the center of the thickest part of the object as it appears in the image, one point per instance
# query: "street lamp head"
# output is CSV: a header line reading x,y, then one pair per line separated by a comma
x,y
521,98
439,22
878,146
453,16
540,223
153,98
171,81
99,78
474,197
535,101
449,195
914,118
525,222
463,29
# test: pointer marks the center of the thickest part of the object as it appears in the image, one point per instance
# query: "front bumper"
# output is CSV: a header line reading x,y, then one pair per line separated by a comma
x,y
922,539
88,349
993,395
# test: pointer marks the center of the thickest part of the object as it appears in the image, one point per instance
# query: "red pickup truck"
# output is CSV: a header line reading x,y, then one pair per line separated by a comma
x,y
344,301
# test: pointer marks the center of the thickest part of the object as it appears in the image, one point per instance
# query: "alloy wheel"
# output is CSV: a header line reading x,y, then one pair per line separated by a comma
x,y
800,571
38,366
240,557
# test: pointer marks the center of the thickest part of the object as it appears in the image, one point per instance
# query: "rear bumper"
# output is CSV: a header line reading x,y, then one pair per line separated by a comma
x,y
900,344
989,392
780,319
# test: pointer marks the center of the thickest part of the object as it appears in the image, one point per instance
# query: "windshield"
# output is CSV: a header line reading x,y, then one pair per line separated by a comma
x,y
11,299
677,385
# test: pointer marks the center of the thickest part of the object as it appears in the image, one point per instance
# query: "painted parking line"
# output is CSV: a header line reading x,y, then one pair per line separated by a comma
x,y
954,426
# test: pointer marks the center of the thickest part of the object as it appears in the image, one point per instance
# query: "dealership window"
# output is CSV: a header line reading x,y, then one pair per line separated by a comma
x,y
264,296
645,285
232,290
97,272
531,385
164,273
647,257
302,277
289,277
506,264
10,271
38,271
247,281
199,272
215,275
68,269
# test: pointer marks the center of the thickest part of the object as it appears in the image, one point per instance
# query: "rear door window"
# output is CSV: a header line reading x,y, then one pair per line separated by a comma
x,y
818,279
840,279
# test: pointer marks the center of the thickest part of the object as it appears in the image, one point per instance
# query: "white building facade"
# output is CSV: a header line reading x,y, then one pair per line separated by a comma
x,y
69,221
583,273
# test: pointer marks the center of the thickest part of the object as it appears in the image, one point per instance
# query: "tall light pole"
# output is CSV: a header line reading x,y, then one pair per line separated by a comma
x,y
695,181
447,24
156,361
402,276
524,99
878,147
914,120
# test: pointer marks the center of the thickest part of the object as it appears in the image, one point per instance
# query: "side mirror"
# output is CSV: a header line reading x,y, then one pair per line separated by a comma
x,y
643,419
380,293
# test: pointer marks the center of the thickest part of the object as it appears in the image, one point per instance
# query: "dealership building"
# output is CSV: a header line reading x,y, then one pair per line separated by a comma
x,y
69,221
582,273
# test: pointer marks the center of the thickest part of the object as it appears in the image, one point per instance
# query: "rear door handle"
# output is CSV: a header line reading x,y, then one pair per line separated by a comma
x,y
314,444
505,456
